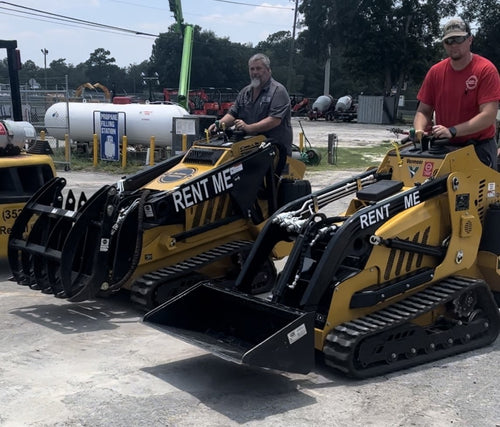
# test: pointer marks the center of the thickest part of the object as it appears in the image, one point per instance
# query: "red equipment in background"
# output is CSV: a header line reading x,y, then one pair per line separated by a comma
x,y
205,101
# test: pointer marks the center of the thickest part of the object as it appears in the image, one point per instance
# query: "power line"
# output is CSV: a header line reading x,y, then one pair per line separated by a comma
x,y
220,1
71,25
254,5
57,17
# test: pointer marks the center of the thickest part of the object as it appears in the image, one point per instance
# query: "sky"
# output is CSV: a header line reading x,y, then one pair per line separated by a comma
x,y
242,21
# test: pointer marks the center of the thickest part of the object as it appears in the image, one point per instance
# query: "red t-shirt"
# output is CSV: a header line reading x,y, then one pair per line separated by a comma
x,y
457,95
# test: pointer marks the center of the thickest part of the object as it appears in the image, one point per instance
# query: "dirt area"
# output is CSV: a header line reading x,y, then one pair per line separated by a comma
x,y
348,134
95,364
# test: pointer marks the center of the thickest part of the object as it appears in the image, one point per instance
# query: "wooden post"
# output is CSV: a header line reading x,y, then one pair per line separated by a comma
x,y
66,147
152,151
124,151
96,149
184,142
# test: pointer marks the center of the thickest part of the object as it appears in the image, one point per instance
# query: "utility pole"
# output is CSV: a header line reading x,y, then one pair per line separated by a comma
x,y
45,52
326,87
292,48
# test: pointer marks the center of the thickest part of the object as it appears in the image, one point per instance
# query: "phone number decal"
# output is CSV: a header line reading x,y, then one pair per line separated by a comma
x,y
10,214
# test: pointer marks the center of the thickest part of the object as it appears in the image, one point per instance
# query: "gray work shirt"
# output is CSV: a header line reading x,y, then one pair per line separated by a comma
x,y
273,101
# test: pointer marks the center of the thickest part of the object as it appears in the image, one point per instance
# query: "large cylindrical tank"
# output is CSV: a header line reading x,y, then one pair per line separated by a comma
x,y
16,133
323,103
343,103
141,121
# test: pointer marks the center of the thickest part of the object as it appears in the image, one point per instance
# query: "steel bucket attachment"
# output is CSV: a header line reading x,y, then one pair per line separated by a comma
x,y
239,328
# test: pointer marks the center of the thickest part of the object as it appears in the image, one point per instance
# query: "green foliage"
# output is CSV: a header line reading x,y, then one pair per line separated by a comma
x,y
379,42
487,14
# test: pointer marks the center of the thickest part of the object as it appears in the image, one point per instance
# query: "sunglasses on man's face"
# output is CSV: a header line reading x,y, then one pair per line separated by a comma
x,y
456,40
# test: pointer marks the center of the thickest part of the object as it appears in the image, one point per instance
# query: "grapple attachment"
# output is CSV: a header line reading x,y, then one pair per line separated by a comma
x,y
59,241
239,328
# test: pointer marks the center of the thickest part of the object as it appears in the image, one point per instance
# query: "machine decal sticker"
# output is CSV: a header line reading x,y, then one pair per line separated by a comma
x,y
297,333
104,246
413,170
491,190
177,175
374,216
428,168
202,190
412,199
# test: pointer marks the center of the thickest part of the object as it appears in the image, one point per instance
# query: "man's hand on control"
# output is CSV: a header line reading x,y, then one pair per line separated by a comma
x,y
240,125
442,132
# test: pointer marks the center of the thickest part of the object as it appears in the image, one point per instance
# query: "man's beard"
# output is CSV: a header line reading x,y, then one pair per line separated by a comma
x,y
255,82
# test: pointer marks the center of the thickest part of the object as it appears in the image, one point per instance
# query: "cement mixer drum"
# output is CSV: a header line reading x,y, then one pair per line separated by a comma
x,y
344,103
322,104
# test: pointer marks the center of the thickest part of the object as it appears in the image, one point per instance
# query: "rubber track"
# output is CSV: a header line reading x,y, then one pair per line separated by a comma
x,y
343,344
143,286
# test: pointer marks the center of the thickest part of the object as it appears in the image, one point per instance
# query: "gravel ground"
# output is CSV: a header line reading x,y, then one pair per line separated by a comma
x,y
95,364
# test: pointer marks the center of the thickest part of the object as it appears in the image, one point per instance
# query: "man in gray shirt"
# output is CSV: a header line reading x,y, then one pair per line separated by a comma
x,y
262,107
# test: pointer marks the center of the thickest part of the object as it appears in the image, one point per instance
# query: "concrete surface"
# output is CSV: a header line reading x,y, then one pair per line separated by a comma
x,y
95,364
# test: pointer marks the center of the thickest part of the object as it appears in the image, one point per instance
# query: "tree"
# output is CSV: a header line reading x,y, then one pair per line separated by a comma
x,y
487,15
101,68
215,61
29,71
377,44
133,79
277,48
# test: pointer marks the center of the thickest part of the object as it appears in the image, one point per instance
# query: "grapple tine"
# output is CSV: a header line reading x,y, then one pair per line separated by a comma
x,y
70,201
81,200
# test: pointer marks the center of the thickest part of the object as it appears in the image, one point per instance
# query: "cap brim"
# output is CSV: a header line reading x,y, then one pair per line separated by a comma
x,y
454,34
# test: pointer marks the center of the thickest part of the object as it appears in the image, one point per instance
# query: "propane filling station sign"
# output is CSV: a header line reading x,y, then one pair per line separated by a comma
x,y
109,136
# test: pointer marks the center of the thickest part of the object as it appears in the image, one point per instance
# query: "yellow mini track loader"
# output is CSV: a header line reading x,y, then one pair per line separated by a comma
x,y
22,173
161,230
407,274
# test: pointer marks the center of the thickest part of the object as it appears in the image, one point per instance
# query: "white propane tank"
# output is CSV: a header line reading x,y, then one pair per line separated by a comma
x,y
142,121
323,103
16,133
344,103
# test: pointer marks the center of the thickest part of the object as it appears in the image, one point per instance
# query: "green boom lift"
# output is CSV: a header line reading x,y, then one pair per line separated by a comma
x,y
187,48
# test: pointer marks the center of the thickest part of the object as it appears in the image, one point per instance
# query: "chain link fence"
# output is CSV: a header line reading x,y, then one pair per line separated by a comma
x,y
34,105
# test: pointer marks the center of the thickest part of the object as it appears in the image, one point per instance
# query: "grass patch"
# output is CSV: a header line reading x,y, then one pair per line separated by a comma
x,y
352,157
85,162
346,158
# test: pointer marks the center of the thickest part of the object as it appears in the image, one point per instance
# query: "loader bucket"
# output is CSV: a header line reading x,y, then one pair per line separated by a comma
x,y
239,327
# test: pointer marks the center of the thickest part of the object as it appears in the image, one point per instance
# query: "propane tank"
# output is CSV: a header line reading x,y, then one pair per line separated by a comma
x,y
322,104
343,103
141,121
16,133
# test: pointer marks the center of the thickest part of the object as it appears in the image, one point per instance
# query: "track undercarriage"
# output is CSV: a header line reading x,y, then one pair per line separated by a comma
x,y
464,317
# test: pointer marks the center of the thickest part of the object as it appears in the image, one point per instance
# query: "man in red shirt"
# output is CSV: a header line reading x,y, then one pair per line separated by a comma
x,y
462,91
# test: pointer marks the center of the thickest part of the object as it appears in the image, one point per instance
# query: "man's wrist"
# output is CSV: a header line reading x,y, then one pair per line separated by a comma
x,y
453,131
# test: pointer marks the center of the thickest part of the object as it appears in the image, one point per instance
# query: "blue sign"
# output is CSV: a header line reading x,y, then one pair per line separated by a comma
x,y
109,136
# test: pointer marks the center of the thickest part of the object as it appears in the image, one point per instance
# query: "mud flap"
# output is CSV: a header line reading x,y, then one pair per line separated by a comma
x,y
239,327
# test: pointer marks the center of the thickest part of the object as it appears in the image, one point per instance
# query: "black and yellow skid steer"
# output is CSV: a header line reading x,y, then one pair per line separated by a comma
x,y
407,274
194,216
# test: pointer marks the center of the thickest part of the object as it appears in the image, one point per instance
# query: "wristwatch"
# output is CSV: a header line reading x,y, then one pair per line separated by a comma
x,y
453,131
